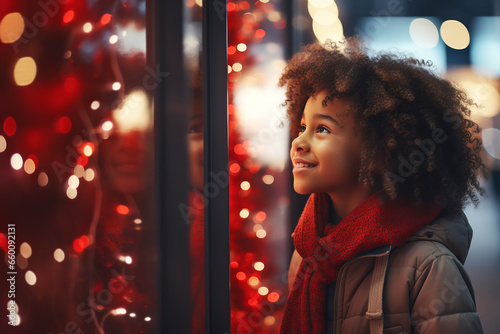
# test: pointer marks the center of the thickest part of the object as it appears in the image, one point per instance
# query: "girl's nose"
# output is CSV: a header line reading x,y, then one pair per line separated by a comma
x,y
300,144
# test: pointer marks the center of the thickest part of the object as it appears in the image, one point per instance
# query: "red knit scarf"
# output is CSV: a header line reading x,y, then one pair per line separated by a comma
x,y
369,226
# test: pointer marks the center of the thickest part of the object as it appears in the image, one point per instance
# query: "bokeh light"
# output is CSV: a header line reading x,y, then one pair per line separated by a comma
x,y
87,27
43,179
244,213
16,161
424,33
29,166
9,126
25,250
259,266
245,185
455,34
30,277
3,144
59,255
25,71
11,28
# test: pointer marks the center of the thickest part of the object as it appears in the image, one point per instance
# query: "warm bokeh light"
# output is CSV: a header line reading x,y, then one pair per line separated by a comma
x,y
107,126
259,266
122,209
25,250
116,86
424,33
260,216
245,185
88,149
30,277
268,179
334,31
89,174
455,34
87,27
134,113
261,234
234,168
16,161
119,311
59,255
253,281
21,262
11,28
237,67
241,47
320,3
113,39
241,276
257,227
269,320
260,33
25,71
105,19
79,171
327,6
29,166
43,179
95,105
325,17
263,291
273,297
73,181
3,144
71,193
68,16
244,213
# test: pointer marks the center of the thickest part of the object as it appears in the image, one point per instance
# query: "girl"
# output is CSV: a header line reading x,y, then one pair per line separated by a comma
x,y
389,157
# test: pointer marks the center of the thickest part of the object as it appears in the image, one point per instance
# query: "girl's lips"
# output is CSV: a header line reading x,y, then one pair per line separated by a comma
x,y
301,168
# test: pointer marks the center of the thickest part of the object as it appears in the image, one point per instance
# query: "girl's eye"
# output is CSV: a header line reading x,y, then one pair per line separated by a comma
x,y
322,129
196,128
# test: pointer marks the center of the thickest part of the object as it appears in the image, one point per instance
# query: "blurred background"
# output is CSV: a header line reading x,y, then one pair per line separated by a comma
x,y
77,158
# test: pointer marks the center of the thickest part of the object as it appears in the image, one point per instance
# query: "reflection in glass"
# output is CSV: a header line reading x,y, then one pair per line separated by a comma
x,y
76,158
192,57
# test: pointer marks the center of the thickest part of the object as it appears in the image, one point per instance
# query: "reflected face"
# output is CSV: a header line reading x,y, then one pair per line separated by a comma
x,y
195,146
325,155
123,160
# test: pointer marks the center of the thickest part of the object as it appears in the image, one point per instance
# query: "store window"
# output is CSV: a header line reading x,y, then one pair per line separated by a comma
x,y
144,148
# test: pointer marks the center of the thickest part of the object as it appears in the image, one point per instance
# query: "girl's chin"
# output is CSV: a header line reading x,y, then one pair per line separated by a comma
x,y
302,190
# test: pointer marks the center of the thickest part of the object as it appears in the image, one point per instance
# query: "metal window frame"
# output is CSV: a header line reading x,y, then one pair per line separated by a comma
x,y
165,54
215,99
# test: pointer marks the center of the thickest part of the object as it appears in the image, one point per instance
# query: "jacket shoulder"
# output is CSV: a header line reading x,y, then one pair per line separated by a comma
x,y
419,254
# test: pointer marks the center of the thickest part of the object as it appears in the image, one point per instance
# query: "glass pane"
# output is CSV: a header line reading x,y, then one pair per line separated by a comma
x,y
192,58
258,146
77,167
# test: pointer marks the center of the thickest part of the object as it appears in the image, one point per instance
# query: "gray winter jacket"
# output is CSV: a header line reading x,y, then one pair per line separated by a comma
x,y
423,284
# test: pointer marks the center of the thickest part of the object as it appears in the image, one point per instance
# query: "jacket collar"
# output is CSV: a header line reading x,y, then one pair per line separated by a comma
x,y
450,228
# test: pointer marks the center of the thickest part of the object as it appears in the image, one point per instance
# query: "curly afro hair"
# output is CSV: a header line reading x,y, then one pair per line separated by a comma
x,y
417,139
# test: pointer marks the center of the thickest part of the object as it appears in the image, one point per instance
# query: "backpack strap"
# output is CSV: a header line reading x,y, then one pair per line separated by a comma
x,y
375,314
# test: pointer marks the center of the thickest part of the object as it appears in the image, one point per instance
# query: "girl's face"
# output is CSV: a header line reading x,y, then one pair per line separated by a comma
x,y
326,154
